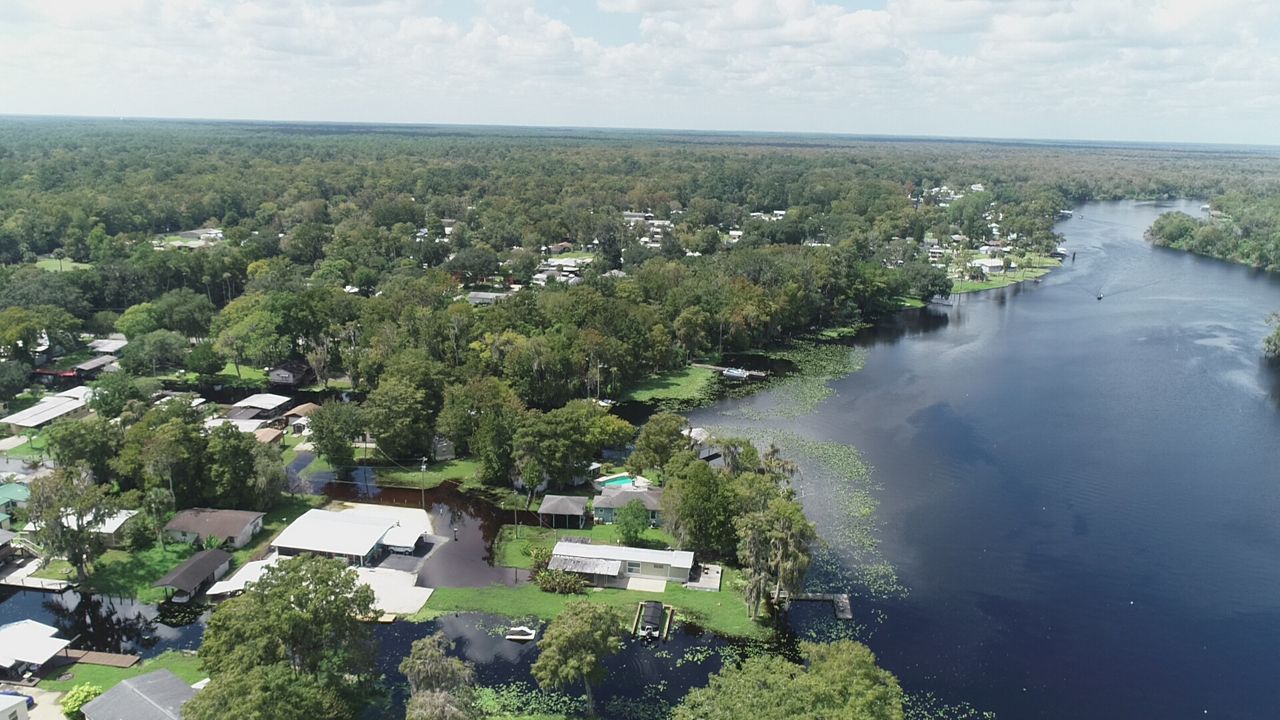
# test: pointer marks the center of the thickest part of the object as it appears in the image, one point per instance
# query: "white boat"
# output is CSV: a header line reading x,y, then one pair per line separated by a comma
x,y
520,633
735,373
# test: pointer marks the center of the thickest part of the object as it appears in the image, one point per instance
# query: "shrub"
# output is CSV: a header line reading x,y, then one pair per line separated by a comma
x,y
541,556
78,697
560,582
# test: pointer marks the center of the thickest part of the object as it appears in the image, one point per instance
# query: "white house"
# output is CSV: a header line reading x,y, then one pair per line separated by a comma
x,y
614,565
25,645
67,404
361,535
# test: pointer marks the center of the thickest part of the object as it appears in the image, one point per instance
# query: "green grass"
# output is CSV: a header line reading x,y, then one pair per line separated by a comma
x,y
125,574
723,612
1037,267
462,470
514,543
338,383
688,383
910,302
31,450
181,664
51,264
285,511
249,377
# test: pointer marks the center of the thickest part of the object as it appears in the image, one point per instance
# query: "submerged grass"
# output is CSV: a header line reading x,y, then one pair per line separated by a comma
x,y
800,392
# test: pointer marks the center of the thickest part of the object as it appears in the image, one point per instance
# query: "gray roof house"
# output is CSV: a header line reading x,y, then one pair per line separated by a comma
x,y
196,573
612,498
157,695
233,527
567,506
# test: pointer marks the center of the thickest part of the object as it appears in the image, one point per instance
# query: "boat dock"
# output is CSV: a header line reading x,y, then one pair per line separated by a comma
x,y
751,374
839,602
19,576
93,657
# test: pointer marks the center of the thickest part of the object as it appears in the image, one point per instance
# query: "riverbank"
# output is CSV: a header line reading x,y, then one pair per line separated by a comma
x,y
1040,266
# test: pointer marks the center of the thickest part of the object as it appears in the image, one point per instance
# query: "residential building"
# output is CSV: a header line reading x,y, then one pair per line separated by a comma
x,y
111,529
157,695
289,374
68,404
362,535
13,707
26,645
231,527
614,565
611,498
265,406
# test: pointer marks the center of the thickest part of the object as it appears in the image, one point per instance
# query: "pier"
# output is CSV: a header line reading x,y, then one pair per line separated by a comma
x,y
751,374
839,602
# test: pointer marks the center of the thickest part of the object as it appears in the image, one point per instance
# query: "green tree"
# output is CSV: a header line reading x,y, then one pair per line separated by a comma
x,y
112,392
436,705
575,645
76,698
333,428
204,360
659,440
429,667
138,320
229,458
66,506
838,680
774,549
300,625
14,377
268,691
156,350
631,520
1271,345
699,506
91,442
157,508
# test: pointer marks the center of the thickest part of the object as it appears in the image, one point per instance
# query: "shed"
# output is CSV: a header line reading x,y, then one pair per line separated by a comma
x,y
93,367
109,345
196,573
303,410
267,436
564,506
157,695
13,495
233,527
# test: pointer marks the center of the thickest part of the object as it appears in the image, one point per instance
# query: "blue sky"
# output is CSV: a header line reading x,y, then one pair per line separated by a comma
x,y
1154,70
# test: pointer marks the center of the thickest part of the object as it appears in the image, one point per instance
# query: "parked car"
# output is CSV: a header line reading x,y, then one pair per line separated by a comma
x,y
31,702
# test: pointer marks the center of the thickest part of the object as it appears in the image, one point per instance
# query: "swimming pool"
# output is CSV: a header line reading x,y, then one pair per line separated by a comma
x,y
627,480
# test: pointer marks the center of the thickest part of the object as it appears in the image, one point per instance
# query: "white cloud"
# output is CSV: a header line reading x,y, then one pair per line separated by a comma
x,y
1129,69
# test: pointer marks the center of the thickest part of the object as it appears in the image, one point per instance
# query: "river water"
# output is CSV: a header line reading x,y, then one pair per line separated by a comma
x,y
1082,496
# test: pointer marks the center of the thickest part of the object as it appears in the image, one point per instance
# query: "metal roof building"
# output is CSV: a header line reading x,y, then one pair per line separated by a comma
x,y
157,695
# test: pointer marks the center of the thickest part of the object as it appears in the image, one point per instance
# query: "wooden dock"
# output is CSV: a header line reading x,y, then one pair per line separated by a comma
x,y
93,657
751,374
839,602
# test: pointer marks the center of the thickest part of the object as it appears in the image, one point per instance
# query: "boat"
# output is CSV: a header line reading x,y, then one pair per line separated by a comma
x,y
521,633
1099,296
652,614
735,373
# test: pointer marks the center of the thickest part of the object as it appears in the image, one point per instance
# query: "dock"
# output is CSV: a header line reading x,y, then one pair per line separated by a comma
x,y
93,657
752,374
20,577
839,602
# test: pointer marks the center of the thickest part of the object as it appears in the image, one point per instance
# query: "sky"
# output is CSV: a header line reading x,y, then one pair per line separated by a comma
x,y
1159,70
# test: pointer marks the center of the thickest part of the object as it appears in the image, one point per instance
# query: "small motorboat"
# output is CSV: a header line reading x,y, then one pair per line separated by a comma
x,y
652,616
520,633
1099,296
735,373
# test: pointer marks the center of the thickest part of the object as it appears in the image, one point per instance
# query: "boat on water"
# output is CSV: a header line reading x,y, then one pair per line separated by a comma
x,y
520,633
735,373
652,618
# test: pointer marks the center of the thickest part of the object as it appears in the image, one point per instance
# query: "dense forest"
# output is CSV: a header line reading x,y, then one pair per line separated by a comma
x,y
1241,227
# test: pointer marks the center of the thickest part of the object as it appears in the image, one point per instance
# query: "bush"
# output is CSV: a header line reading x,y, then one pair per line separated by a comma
x,y
560,582
541,557
139,533
78,697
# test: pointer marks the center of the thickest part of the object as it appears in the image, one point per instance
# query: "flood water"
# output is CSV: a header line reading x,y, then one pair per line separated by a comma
x,y
1081,495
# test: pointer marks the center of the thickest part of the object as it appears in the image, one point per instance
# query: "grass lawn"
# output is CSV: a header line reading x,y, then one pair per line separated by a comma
x,y
319,465
338,383
461,469
181,664
724,612
1037,267
124,574
910,302
687,383
250,377
285,511
515,542
52,265
31,450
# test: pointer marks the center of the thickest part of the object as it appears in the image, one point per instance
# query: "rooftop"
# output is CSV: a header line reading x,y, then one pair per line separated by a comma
x,y
156,695
263,401
28,641
355,531
194,571
563,505
248,573
14,492
218,523
616,496
107,526
109,345
247,426
621,553
50,408
304,410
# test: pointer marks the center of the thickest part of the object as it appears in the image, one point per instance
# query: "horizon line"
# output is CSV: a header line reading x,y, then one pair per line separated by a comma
x,y
988,139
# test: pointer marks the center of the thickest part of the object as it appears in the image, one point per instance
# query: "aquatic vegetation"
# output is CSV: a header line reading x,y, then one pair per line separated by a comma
x,y
801,391
648,706
927,706
522,698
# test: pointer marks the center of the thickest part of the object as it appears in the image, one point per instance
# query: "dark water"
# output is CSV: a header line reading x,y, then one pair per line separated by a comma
x,y
1082,496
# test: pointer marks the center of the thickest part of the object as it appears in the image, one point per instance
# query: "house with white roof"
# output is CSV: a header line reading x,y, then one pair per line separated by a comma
x,y
71,403
361,534
263,405
111,527
616,565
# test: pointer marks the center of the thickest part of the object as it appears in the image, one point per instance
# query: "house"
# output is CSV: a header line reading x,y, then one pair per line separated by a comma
x,y
289,374
245,576
7,551
13,495
613,497
111,529
110,345
26,645
572,509
299,418
361,536
90,369
615,565
68,404
560,247
157,695
13,707
268,436
245,426
988,265
486,298
195,574
232,527
266,406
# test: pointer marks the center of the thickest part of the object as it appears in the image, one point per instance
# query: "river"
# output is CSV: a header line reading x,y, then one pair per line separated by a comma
x,y
1080,495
